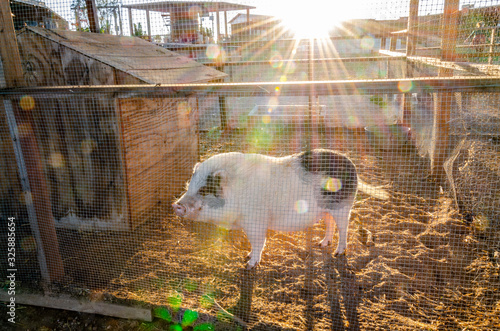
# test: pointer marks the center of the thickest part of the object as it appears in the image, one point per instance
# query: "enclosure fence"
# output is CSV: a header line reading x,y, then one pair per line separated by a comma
x,y
123,191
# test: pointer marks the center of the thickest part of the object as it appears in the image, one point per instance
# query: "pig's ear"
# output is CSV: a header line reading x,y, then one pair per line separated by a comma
x,y
222,178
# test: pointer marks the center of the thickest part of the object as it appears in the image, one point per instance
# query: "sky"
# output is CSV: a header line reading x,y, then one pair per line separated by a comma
x,y
310,16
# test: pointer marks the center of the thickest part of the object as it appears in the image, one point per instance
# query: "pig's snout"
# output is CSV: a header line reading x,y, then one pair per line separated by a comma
x,y
179,209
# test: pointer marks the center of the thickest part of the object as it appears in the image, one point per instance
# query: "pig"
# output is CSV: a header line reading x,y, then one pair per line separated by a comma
x,y
256,193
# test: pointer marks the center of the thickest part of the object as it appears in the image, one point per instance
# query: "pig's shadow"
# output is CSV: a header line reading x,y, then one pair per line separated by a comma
x,y
341,281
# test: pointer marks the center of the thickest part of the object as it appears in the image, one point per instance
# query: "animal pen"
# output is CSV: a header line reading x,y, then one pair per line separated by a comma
x,y
100,132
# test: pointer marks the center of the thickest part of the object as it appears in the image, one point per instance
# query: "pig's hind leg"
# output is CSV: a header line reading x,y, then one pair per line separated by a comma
x,y
328,240
341,217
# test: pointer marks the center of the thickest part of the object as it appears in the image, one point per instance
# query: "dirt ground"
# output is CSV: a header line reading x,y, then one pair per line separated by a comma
x,y
412,263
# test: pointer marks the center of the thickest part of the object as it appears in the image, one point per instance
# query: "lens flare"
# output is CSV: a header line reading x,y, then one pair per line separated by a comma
x,y
405,86
367,42
56,160
28,244
216,54
194,11
163,313
27,102
175,300
189,317
87,146
266,119
301,206
331,184
183,108
276,61
213,51
205,327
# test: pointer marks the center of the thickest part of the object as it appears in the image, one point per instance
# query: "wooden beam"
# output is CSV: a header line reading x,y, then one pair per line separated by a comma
x,y
466,67
131,24
148,22
248,29
218,26
444,101
66,302
411,38
21,128
226,33
449,30
92,14
8,48
295,88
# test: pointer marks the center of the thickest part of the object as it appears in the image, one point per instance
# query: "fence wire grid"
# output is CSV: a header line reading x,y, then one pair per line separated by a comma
x,y
202,163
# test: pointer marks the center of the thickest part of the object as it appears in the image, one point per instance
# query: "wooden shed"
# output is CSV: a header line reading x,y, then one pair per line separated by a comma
x,y
109,159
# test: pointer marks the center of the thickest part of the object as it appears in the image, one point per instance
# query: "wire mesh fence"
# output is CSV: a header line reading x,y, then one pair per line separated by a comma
x,y
197,160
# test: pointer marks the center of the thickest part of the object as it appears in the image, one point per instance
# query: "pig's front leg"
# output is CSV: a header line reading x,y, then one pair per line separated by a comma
x,y
257,239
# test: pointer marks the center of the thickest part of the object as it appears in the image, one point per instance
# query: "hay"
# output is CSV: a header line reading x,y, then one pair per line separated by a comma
x,y
424,268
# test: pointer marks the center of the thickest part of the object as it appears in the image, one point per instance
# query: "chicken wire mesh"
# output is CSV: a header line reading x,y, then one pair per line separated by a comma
x,y
122,99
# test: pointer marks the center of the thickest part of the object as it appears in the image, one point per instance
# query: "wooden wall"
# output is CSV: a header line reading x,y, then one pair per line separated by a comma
x,y
160,149
79,143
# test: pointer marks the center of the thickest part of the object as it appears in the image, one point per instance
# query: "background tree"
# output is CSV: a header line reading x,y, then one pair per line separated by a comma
x,y
106,11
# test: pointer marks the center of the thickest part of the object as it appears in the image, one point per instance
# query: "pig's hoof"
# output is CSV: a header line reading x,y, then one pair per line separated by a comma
x,y
337,253
325,243
252,267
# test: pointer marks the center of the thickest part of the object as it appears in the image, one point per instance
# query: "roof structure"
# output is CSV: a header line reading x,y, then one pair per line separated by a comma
x,y
244,18
174,6
143,60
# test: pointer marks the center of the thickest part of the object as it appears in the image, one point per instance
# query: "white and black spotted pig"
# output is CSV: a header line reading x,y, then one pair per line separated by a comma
x,y
255,193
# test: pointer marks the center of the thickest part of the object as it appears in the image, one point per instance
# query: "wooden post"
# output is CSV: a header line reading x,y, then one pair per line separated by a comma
x,y
148,22
411,38
248,29
92,14
394,41
411,41
120,20
223,112
130,21
28,156
444,101
383,42
218,26
226,33
492,43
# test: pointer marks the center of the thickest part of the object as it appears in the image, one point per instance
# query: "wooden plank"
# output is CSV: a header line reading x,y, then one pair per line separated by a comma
x,y
9,52
152,62
65,302
21,127
177,76
391,53
466,67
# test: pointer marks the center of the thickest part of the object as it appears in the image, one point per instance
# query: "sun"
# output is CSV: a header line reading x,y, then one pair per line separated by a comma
x,y
312,19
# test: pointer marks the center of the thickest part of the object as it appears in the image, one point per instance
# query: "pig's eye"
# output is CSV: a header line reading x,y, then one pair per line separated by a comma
x,y
211,187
